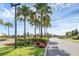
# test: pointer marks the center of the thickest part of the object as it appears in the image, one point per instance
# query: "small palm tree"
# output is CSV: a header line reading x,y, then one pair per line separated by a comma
x,y
8,25
1,22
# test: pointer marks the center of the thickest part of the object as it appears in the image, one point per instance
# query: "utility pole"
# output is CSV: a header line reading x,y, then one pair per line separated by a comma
x,y
15,5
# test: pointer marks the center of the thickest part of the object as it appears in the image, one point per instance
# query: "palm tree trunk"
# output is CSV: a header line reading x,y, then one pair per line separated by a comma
x,y
25,28
39,30
35,30
44,31
41,26
8,31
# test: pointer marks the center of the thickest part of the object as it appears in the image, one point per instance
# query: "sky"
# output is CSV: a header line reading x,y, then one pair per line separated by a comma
x,y
64,18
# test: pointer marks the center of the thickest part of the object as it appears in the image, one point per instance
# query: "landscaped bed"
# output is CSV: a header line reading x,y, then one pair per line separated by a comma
x,y
21,51
28,47
34,42
37,42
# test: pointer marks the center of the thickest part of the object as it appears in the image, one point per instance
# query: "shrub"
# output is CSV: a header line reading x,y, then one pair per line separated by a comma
x,y
42,45
76,38
35,45
33,41
20,43
3,39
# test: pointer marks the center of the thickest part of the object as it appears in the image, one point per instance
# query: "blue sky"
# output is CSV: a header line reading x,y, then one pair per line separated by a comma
x,y
65,18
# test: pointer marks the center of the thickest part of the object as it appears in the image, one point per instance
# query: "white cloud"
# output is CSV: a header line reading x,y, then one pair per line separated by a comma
x,y
59,6
60,27
7,13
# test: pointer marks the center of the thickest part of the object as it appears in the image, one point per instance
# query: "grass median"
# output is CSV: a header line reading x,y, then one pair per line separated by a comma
x,y
21,51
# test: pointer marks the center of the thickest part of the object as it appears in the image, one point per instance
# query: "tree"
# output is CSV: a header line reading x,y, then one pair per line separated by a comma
x,y
76,32
1,22
46,23
8,25
72,33
42,9
66,34
24,12
34,21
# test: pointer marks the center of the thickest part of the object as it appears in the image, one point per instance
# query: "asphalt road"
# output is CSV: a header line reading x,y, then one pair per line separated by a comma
x,y
60,47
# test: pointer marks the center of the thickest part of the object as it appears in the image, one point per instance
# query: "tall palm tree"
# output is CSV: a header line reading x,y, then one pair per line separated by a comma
x,y
42,9
8,25
34,21
24,12
46,23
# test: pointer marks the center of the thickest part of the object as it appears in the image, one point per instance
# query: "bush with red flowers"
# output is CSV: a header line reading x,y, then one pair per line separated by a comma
x,y
42,44
33,41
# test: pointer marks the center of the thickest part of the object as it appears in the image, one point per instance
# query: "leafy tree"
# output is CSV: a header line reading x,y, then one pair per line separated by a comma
x,y
76,32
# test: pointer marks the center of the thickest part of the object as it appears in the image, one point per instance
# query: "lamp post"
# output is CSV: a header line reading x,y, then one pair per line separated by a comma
x,y
15,5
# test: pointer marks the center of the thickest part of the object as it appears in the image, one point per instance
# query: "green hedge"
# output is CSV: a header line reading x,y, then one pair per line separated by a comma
x,y
2,39
29,41
33,39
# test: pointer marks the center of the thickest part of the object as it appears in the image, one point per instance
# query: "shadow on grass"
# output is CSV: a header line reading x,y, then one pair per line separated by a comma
x,y
5,50
36,51
33,51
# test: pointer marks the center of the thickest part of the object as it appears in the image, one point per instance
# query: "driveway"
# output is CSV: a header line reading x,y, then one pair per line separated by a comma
x,y
60,47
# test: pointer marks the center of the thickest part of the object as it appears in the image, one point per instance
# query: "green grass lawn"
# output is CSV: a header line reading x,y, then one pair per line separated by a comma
x,y
70,38
76,41
21,51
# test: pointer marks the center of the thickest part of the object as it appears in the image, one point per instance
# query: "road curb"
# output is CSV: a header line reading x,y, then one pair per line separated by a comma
x,y
46,48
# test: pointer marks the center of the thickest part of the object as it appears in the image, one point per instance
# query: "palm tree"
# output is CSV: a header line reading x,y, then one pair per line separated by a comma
x,y
8,25
46,23
24,12
34,21
1,22
42,9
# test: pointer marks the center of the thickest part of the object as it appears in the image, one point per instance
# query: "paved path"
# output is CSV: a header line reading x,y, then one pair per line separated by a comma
x,y
7,41
60,47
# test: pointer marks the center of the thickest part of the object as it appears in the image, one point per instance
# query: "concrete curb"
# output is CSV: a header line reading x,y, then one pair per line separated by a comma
x,y
46,49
